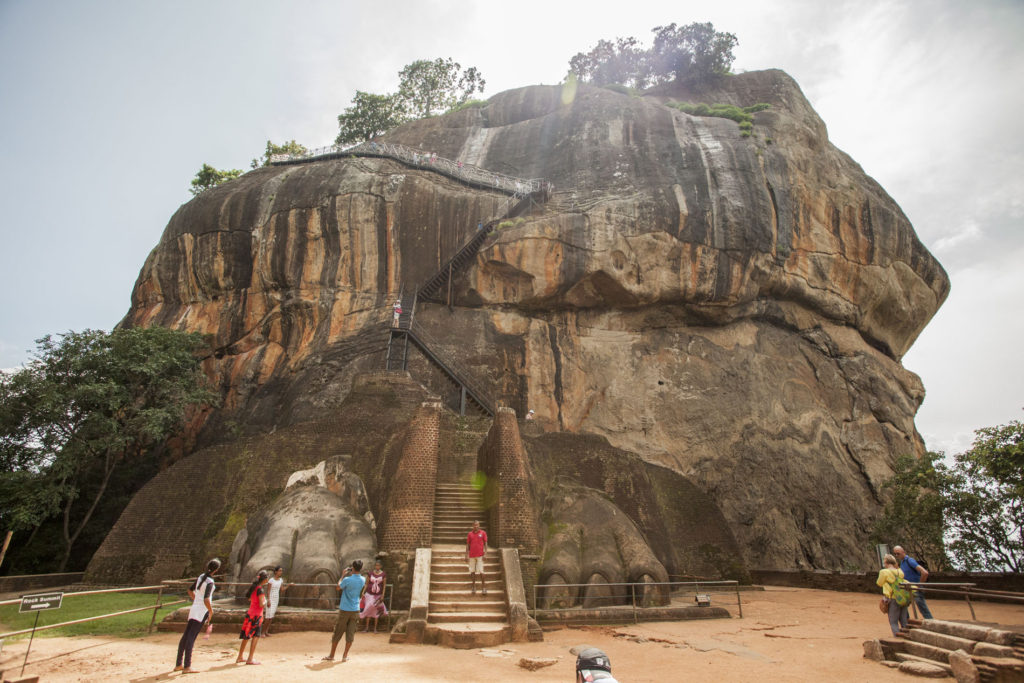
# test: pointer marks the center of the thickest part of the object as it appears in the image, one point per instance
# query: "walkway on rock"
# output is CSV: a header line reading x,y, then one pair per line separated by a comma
x,y
465,173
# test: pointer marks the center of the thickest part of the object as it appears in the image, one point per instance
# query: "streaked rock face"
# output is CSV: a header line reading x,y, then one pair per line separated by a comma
x,y
733,309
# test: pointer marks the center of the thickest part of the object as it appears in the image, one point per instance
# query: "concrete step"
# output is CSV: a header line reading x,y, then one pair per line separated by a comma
x,y
444,606
456,554
462,575
495,583
468,636
456,565
467,596
455,617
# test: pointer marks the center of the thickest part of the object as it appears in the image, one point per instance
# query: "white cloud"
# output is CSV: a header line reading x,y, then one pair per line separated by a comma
x,y
969,233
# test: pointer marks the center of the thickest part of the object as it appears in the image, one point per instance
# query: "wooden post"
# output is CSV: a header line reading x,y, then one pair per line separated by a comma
x,y
7,542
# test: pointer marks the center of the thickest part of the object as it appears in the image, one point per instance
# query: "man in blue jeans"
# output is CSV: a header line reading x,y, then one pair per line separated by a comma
x,y
914,573
351,587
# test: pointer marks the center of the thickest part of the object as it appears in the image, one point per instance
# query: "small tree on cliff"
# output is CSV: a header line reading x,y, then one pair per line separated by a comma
x,y
290,147
208,177
85,404
429,87
369,116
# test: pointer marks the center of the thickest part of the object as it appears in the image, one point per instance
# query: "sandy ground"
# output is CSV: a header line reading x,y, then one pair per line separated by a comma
x,y
786,634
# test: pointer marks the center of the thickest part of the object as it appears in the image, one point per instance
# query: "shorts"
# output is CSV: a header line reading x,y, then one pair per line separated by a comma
x,y
476,565
347,624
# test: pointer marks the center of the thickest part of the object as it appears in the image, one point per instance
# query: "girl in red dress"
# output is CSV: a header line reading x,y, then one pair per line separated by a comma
x,y
251,627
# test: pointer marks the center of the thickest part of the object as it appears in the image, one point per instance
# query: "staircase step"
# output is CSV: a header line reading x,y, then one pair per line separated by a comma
x,y
450,606
468,596
448,617
495,583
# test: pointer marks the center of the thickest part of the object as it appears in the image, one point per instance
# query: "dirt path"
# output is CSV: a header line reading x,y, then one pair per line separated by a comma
x,y
786,634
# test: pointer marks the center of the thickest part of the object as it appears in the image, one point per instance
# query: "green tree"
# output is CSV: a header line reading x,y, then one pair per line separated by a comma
x,y
695,52
914,517
428,87
986,501
84,406
607,63
369,116
208,177
290,147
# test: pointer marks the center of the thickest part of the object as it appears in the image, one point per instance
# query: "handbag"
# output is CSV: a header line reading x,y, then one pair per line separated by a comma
x,y
883,605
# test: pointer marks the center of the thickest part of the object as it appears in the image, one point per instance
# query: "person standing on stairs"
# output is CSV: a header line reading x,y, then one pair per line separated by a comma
x,y
397,308
476,548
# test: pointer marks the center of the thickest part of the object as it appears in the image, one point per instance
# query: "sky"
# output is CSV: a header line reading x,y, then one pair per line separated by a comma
x,y
108,109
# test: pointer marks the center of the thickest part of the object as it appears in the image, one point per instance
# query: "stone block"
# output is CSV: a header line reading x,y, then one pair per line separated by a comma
x,y
964,669
946,642
992,650
873,650
922,669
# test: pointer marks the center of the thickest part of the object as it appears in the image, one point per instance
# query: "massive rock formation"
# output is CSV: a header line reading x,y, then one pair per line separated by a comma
x,y
733,309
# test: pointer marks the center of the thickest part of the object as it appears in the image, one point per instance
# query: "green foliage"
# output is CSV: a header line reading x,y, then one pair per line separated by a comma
x,y
369,116
741,115
428,87
986,501
469,104
621,89
290,147
622,62
915,515
973,509
80,607
208,177
695,52
86,406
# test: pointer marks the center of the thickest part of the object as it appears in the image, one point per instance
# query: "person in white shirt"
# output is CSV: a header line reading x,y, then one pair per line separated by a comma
x,y
201,595
275,585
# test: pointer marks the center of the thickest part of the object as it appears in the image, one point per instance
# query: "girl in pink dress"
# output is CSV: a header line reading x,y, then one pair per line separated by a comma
x,y
373,597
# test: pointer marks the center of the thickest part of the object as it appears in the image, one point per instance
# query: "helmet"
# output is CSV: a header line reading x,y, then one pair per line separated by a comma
x,y
593,659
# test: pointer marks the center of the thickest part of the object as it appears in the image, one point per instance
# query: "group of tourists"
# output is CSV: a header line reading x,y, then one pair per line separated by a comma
x,y
361,598
897,578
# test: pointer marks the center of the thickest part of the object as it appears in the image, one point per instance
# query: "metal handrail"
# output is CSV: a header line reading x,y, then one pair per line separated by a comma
x,y
518,187
460,374
697,585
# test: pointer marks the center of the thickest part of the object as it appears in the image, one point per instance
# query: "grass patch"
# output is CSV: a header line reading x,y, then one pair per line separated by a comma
x,y
741,115
468,104
74,607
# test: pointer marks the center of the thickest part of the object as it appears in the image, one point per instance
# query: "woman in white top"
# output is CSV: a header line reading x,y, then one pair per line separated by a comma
x,y
201,595
276,585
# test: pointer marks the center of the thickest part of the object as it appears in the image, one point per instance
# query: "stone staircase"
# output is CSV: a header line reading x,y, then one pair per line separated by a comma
x,y
966,651
456,616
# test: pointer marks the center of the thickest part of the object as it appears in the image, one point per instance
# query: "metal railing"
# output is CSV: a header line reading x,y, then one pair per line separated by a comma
x,y
156,608
388,595
967,590
475,175
631,599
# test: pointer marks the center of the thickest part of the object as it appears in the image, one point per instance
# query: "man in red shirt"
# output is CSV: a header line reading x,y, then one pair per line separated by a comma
x,y
476,547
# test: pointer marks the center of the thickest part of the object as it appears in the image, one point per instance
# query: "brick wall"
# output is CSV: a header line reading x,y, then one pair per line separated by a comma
x,y
409,515
512,515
